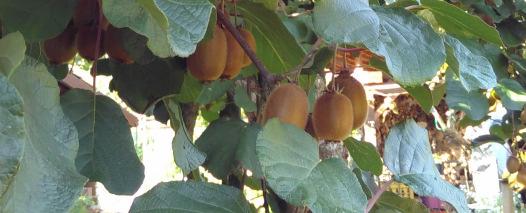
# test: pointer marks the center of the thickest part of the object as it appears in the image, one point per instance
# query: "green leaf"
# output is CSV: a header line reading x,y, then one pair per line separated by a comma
x,y
475,71
36,20
365,155
135,46
12,132
320,61
142,85
106,152
458,22
143,17
35,51
276,47
187,23
12,49
438,93
191,196
214,90
242,99
345,21
408,155
219,142
391,201
46,179
186,155
400,32
246,150
290,162
422,95
512,94
190,89
474,103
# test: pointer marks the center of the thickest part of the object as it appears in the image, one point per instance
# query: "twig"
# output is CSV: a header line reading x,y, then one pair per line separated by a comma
x,y
377,195
441,122
343,49
264,188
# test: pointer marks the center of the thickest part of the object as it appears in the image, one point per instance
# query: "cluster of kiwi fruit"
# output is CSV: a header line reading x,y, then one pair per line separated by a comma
x,y
513,164
336,112
220,56
80,36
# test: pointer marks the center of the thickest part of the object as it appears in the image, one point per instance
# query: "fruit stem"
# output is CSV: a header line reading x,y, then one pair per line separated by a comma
x,y
377,195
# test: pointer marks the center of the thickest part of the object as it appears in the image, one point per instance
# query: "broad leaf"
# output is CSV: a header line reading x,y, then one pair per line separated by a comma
x,y
106,152
187,23
214,90
474,103
186,155
400,32
345,21
190,89
46,179
475,71
365,155
422,95
408,155
392,202
36,20
12,49
12,132
276,47
456,21
219,142
320,61
242,99
512,94
143,17
246,150
290,162
142,85
191,196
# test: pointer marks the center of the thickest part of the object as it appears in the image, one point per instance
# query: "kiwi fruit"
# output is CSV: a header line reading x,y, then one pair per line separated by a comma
x,y
87,42
113,46
62,48
513,164
87,14
354,90
251,42
332,116
521,176
288,103
208,61
235,57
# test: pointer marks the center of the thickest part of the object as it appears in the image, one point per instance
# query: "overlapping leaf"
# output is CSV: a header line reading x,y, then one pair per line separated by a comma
x,y
473,103
12,49
512,94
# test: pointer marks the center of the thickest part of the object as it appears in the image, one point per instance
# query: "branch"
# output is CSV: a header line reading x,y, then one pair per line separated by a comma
x,y
377,195
250,53
357,49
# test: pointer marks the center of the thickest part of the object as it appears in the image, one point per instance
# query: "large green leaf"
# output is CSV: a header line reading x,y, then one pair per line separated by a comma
x,y
512,94
242,99
106,152
246,150
408,155
475,71
400,32
191,196
142,85
143,17
186,155
365,155
12,49
213,91
422,95
291,165
473,103
187,23
220,141
391,202
12,132
345,21
36,20
456,21
46,179
276,47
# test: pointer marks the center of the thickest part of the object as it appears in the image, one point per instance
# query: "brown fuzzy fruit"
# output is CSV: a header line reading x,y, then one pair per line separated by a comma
x,y
86,43
521,176
87,14
513,164
354,90
209,59
235,57
113,46
289,104
332,117
251,42
61,49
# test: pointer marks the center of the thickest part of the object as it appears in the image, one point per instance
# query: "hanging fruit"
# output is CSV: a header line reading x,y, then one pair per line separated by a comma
x,y
209,59
87,13
87,43
354,90
289,104
235,57
113,46
333,116
62,48
251,42
513,164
